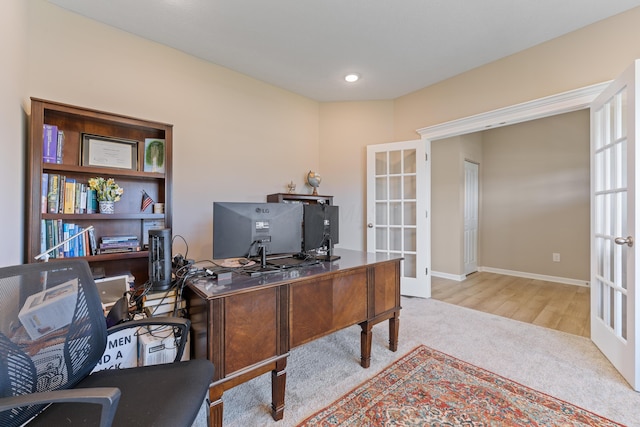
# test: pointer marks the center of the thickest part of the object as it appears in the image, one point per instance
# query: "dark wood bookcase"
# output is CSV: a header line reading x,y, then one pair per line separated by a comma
x,y
298,198
128,218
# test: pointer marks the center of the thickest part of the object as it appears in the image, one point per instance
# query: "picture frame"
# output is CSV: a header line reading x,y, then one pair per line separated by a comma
x,y
154,155
109,152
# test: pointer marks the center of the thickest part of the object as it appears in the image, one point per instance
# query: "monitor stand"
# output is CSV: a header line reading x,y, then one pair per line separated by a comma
x,y
328,257
264,267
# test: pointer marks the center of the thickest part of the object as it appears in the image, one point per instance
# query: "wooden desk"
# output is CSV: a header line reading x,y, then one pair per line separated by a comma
x,y
247,327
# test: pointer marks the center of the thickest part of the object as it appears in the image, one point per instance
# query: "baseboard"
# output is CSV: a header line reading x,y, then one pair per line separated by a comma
x,y
564,280
554,279
457,278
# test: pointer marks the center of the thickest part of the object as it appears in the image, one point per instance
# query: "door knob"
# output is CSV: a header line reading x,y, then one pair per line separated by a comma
x,y
370,225
622,241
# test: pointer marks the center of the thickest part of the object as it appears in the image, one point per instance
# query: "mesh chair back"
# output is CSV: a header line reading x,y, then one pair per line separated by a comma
x,y
52,330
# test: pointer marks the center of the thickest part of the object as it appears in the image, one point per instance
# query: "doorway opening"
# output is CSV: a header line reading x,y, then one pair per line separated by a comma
x,y
547,107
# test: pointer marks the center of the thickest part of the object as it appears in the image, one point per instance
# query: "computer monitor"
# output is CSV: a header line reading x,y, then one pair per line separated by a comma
x,y
243,229
321,229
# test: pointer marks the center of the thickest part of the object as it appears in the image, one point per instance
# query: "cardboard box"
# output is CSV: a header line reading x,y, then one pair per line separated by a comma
x,y
49,310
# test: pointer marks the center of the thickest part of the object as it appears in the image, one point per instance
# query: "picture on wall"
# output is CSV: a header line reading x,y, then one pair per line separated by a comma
x,y
154,155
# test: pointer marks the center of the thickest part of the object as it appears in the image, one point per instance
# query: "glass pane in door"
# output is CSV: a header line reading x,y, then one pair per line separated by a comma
x,y
610,210
395,221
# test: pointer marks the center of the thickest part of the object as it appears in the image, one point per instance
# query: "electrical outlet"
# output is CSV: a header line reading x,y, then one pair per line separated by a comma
x,y
556,257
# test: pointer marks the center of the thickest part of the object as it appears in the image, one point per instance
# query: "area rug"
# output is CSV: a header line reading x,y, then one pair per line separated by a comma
x,y
430,388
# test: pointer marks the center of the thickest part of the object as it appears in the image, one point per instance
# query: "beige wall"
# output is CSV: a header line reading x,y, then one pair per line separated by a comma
x,y
346,128
536,196
534,181
447,200
239,139
235,138
593,54
13,43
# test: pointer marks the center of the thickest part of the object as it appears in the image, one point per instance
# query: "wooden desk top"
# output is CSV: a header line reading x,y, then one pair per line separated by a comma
x,y
210,288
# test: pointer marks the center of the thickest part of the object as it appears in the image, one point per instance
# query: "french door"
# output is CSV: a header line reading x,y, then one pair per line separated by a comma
x,y
615,327
397,210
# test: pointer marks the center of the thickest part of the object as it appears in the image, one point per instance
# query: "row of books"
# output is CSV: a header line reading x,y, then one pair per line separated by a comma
x,y
55,231
118,244
52,144
61,194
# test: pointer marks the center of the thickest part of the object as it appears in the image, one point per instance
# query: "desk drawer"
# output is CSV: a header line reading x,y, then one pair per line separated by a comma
x,y
320,307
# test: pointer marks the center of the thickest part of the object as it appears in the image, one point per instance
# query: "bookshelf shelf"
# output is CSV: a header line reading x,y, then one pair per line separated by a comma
x,y
111,257
128,219
93,170
103,217
298,198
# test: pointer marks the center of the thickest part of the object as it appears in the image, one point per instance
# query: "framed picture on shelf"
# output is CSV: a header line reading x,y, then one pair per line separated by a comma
x,y
154,155
109,152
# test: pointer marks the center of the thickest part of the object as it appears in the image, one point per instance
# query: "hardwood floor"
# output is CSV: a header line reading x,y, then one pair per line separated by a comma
x,y
551,305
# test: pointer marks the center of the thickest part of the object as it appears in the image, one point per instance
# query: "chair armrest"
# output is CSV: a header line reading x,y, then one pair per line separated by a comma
x,y
179,322
107,397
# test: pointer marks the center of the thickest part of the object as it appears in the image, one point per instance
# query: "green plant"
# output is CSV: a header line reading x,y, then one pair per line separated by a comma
x,y
106,189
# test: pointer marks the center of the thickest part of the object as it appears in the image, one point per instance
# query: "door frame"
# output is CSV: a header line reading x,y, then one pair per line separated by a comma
x,y
471,203
564,102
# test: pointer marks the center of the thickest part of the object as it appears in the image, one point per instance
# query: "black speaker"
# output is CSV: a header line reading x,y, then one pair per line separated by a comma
x,y
160,259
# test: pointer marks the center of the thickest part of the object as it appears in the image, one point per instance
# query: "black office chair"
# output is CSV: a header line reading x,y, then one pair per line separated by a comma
x,y
52,335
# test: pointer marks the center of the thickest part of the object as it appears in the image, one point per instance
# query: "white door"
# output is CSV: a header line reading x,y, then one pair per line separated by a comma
x,y
397,203
614,207
470,217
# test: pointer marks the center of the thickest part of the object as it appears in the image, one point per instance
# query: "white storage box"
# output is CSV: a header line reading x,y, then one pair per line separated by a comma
x,y
49,310
158,345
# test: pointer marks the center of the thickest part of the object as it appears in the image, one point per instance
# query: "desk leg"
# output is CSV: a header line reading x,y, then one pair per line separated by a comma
x,y
215,406
278,383
365,344
394,328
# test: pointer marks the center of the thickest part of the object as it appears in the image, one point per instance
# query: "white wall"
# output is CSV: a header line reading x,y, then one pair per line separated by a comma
x,y
13,42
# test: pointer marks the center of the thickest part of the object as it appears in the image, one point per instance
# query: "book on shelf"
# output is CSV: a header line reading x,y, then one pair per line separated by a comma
x,y
44,192
49,143
92,201
127,244
43,235
81,194
59,238
120,250
93,247
69,196
62,182
60,146
118,239
52,194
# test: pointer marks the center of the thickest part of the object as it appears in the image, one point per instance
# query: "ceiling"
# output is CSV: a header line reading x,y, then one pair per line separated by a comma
x,y
307,47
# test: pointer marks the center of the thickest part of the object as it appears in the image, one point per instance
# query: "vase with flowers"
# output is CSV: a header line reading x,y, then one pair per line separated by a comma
x,y
108,192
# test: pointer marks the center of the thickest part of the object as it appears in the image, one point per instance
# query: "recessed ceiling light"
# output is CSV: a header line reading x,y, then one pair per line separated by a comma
x,y
352,77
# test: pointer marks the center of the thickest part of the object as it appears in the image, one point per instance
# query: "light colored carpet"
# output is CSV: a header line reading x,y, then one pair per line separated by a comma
x,y
565,366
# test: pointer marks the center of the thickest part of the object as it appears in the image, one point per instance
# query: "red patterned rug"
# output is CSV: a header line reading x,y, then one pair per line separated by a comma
x,y
429,388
